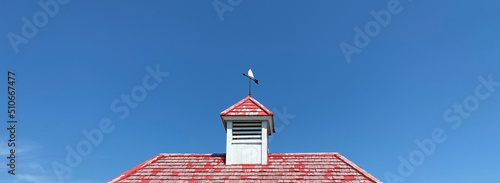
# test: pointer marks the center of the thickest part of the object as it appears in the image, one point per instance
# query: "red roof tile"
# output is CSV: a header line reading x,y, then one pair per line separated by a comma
x,y
247,107
286,167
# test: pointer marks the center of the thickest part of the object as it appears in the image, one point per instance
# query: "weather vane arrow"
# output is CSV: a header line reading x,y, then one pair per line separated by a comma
x,y
251,78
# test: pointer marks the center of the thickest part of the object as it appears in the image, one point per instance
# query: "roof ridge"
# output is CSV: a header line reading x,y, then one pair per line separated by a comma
x,y
135,169
164,154
358,168
309,153
193,153
253,100
234,106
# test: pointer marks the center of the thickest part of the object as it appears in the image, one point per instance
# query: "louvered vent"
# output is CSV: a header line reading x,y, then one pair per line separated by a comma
x,y
247,132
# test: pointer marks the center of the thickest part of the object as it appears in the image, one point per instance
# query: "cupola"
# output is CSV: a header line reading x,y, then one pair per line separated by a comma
x,y
248,125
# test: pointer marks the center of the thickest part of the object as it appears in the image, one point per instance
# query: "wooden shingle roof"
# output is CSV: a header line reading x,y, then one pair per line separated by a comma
x,y
281,167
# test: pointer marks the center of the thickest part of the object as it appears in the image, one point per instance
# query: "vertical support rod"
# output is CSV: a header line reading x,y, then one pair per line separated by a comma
x,y
249,87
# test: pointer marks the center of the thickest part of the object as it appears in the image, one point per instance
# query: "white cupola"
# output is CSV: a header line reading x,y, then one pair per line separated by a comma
x,y
248,125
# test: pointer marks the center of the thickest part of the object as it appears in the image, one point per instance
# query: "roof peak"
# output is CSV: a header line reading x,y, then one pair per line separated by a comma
x,y
248,106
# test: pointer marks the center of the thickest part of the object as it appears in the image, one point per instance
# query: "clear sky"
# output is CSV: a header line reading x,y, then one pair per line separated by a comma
x,y
428,74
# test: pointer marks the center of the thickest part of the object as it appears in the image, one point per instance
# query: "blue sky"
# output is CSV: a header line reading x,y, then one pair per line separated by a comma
x,y
400,87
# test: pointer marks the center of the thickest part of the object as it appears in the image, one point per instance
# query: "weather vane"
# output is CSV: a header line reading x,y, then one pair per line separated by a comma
x,y
250,77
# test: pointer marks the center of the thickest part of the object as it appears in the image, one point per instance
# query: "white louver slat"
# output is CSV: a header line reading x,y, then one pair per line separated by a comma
x,y
244,132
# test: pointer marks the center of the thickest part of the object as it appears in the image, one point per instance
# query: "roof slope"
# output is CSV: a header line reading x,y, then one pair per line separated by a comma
x,y
287,167
247,107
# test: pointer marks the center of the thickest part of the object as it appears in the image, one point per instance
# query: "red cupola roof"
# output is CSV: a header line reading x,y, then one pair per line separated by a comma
x,y
247,107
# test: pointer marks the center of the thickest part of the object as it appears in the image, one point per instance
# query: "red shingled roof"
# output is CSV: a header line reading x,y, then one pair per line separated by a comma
x,y
247,107
287,167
